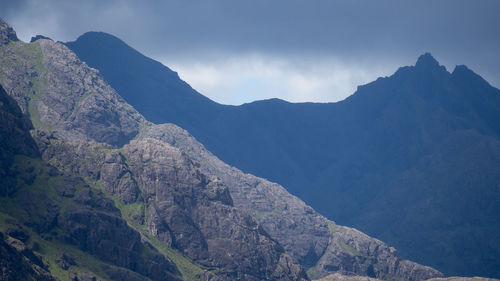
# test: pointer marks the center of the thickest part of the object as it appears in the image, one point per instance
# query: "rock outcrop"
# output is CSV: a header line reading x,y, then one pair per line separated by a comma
x,y
14,139
94,225
340,277
463,279
316,242
38,37
62,94
179,205
16,266
60,207
7,33
412,158
84,129
112,182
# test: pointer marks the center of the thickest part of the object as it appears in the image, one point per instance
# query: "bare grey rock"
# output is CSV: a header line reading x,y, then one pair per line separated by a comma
x,y
340,277
455,278
7,33
63,207
87,277
94,225
352,252
63,95
38,37
215,214
117,179
307,236
183,207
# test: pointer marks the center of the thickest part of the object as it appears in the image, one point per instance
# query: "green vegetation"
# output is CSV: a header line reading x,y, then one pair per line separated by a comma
x,y
80,101
334,227
28,206
40,185
49,250
84,262
273,212
311,272
350,249
134,215
389,277
32,57
13,215
188,269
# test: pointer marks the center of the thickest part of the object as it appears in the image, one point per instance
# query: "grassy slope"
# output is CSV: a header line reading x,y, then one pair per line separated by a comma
x,y
36,184
41,185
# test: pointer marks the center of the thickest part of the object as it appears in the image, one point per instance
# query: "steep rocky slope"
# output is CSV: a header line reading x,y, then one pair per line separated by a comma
x,y
164,194
116,197
319,244
140,74
158,190
412,159
44,208
62,94
168,188
463,279
340,277
15,139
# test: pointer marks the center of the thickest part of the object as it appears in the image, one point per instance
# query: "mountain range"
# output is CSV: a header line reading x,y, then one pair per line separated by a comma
x,y
92,190
412,159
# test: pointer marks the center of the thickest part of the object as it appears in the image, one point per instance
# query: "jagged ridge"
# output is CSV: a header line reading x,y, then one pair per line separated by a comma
x,y
146,168
72,107
412,158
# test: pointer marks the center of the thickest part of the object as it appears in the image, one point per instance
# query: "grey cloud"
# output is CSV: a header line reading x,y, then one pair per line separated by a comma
x,y
455,31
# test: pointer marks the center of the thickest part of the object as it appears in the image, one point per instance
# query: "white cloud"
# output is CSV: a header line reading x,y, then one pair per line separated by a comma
x,y
246,78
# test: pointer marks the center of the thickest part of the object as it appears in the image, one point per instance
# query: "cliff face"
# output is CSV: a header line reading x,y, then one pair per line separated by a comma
x,y
412,158
16,266
129,204
7,33
128,199
15,262
166,196
62,94
319,244
340,277
14,139
42,207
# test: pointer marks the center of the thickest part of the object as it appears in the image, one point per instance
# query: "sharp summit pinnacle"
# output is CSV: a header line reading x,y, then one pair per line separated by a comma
x,y
7,33
426,61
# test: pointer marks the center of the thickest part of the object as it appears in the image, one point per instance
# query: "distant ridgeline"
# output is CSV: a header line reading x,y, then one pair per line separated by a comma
x,y
412,159
92,190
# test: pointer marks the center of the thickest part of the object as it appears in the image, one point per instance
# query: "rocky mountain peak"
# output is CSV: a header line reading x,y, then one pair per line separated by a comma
x,y
38,37
463,72
426,107
7,33
428,63
76,104
427,60
427,68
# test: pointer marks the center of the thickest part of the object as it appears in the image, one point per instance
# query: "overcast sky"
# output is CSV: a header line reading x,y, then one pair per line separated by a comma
x,y
239,51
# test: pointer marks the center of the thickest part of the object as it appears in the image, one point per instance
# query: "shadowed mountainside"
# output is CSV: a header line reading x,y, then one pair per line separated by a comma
x,y
97,204
104,196
412,159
